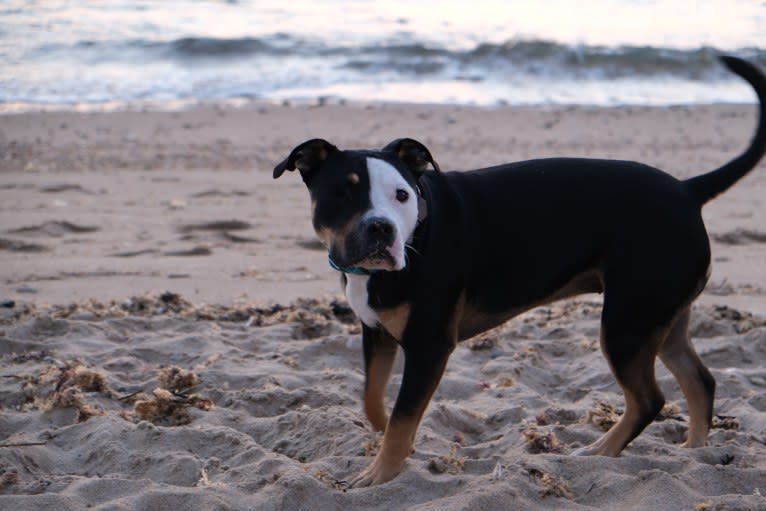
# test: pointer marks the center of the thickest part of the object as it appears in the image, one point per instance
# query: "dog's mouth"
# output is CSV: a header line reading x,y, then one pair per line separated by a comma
x,y
376,258
372,245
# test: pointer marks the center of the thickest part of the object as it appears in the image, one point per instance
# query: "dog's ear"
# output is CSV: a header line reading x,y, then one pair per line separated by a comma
x,y
306,157
414,154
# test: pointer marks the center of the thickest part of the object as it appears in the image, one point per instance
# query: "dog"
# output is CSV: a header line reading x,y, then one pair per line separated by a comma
x,y
431,258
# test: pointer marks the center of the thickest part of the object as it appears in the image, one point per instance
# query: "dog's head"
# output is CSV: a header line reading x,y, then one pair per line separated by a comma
x,y
364,203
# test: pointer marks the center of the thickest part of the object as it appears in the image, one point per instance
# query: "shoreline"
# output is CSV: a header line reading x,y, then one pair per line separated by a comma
x,y
250,103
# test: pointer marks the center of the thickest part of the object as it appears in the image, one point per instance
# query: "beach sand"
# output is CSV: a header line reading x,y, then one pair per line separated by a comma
x,y
172,337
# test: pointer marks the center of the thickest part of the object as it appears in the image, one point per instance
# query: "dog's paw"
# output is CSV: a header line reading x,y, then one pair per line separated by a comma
x,y
377,473
599,448
594,449
694,443
582,451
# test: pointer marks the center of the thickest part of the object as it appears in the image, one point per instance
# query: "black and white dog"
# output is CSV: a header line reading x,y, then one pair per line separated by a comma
x,y
432,258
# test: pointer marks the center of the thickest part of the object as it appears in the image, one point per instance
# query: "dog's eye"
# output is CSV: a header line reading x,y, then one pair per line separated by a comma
x,y
402,195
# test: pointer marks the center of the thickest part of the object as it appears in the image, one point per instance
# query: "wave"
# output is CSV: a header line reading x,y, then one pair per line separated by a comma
x,y
540,57
208,46
632,60
283,66
181,48
533,57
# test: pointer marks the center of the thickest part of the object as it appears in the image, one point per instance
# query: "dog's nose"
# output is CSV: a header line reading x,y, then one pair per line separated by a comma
x,y
380,230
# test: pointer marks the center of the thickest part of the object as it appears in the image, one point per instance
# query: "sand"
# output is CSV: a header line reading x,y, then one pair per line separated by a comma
x,y
172,337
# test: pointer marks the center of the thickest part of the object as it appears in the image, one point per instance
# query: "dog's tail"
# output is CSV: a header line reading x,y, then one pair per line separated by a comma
x,y
707,186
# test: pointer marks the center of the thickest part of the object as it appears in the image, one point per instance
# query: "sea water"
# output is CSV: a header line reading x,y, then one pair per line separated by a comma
x,y
66,54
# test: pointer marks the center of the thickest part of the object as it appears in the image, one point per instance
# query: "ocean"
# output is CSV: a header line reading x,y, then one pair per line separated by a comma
x,y
58,54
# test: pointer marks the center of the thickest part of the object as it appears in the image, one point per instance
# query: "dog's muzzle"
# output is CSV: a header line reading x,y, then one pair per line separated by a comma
x,y
377,232
369,245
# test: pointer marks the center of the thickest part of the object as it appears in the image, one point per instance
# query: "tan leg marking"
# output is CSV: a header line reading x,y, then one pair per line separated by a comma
x,y
377,377
695,380
643,400
394,320
397,446
399,436
422,372
614,440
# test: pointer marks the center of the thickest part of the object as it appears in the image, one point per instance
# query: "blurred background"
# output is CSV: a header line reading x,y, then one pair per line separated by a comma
x,y
111,53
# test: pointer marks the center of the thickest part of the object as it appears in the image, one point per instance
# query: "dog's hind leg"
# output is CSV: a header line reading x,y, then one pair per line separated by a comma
x,y
379,356
631,349
697,384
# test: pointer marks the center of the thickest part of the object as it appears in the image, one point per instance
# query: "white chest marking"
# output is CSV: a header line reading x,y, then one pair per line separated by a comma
x,y
356,294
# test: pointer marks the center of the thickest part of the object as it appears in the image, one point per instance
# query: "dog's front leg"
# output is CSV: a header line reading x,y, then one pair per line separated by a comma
x,y
379,356
423,368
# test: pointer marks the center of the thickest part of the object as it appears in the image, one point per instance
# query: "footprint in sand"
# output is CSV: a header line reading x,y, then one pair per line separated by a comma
x,y
310,244
740,237
217,231
21,246
65,187
54,229
133,253
220,193
196,251
208,232
17,186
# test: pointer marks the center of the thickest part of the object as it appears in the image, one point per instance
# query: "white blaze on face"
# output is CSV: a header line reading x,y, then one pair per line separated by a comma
x,y
385,180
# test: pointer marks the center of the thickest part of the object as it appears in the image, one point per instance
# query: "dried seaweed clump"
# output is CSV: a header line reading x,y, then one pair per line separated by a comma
x,y
372,445
603,416
72,398
315,317
505,382
482,343
145,305
63,386
301,310
314,314
725,422
175,379
156,305
670,411
86,379
8,477
723,320
32,356
9,314
329,480
167,408
550,485
742,321
529,354
540,442
169,404
451,462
